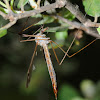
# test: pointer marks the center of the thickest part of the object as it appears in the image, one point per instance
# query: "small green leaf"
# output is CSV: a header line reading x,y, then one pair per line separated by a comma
x,y
98,29
2,9
78,98
88,88
92,7
97,96
45,20
1,3
3,33
57,29
22,2
67,92
11,2
61,35
66,14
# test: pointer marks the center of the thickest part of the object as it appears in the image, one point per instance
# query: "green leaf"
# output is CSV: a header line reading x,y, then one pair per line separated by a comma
x,y
22,2
92,7
11,3
1,3
57,29
88,88
78,98
97,96
3,33
98,29
61,35
66,14
2,9
67,92
45,20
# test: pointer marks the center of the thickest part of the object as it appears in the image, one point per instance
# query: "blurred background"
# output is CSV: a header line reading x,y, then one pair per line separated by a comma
x,y
78,78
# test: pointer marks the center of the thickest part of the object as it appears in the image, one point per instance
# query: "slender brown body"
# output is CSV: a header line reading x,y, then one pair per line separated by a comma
x,y
44,43
50,69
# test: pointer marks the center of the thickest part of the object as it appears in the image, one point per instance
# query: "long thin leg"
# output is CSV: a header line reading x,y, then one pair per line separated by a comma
x,y
33,40
20,33
28,27
26,35
34,33
71,44
83,48
55,53
58,46
66,54
29,36
29,73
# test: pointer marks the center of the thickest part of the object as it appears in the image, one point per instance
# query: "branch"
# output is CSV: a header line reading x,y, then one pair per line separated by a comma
x,y
92,24
76,12
3,14
15,17
88,30
79,15
86,23
9,24
57,4
8,6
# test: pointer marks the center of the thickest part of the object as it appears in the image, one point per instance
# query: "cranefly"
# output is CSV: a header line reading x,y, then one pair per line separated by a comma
x,y
43,41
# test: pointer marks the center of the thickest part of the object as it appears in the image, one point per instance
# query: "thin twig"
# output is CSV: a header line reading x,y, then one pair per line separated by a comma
x,y
15,17
79,15
88,30
86,23
8,25
3,14
76,12
8,6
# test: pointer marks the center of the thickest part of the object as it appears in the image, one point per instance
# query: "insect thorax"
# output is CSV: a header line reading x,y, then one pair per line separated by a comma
x,y
42,39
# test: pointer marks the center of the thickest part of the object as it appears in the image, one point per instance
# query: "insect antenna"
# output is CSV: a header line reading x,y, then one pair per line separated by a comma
x,y
20,33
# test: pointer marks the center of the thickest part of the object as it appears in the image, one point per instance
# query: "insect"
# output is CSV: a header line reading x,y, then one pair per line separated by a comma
x,y
43,41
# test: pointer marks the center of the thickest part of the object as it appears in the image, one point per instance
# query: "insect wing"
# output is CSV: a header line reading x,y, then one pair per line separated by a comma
x,y
34,67
31,67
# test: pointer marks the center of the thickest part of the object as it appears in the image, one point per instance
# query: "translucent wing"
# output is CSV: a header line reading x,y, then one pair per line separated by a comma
x,y
31,67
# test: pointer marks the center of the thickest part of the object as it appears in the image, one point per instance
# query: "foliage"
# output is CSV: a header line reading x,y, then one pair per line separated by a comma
x,y
67,92
98,29
3,33
22,2
93,9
